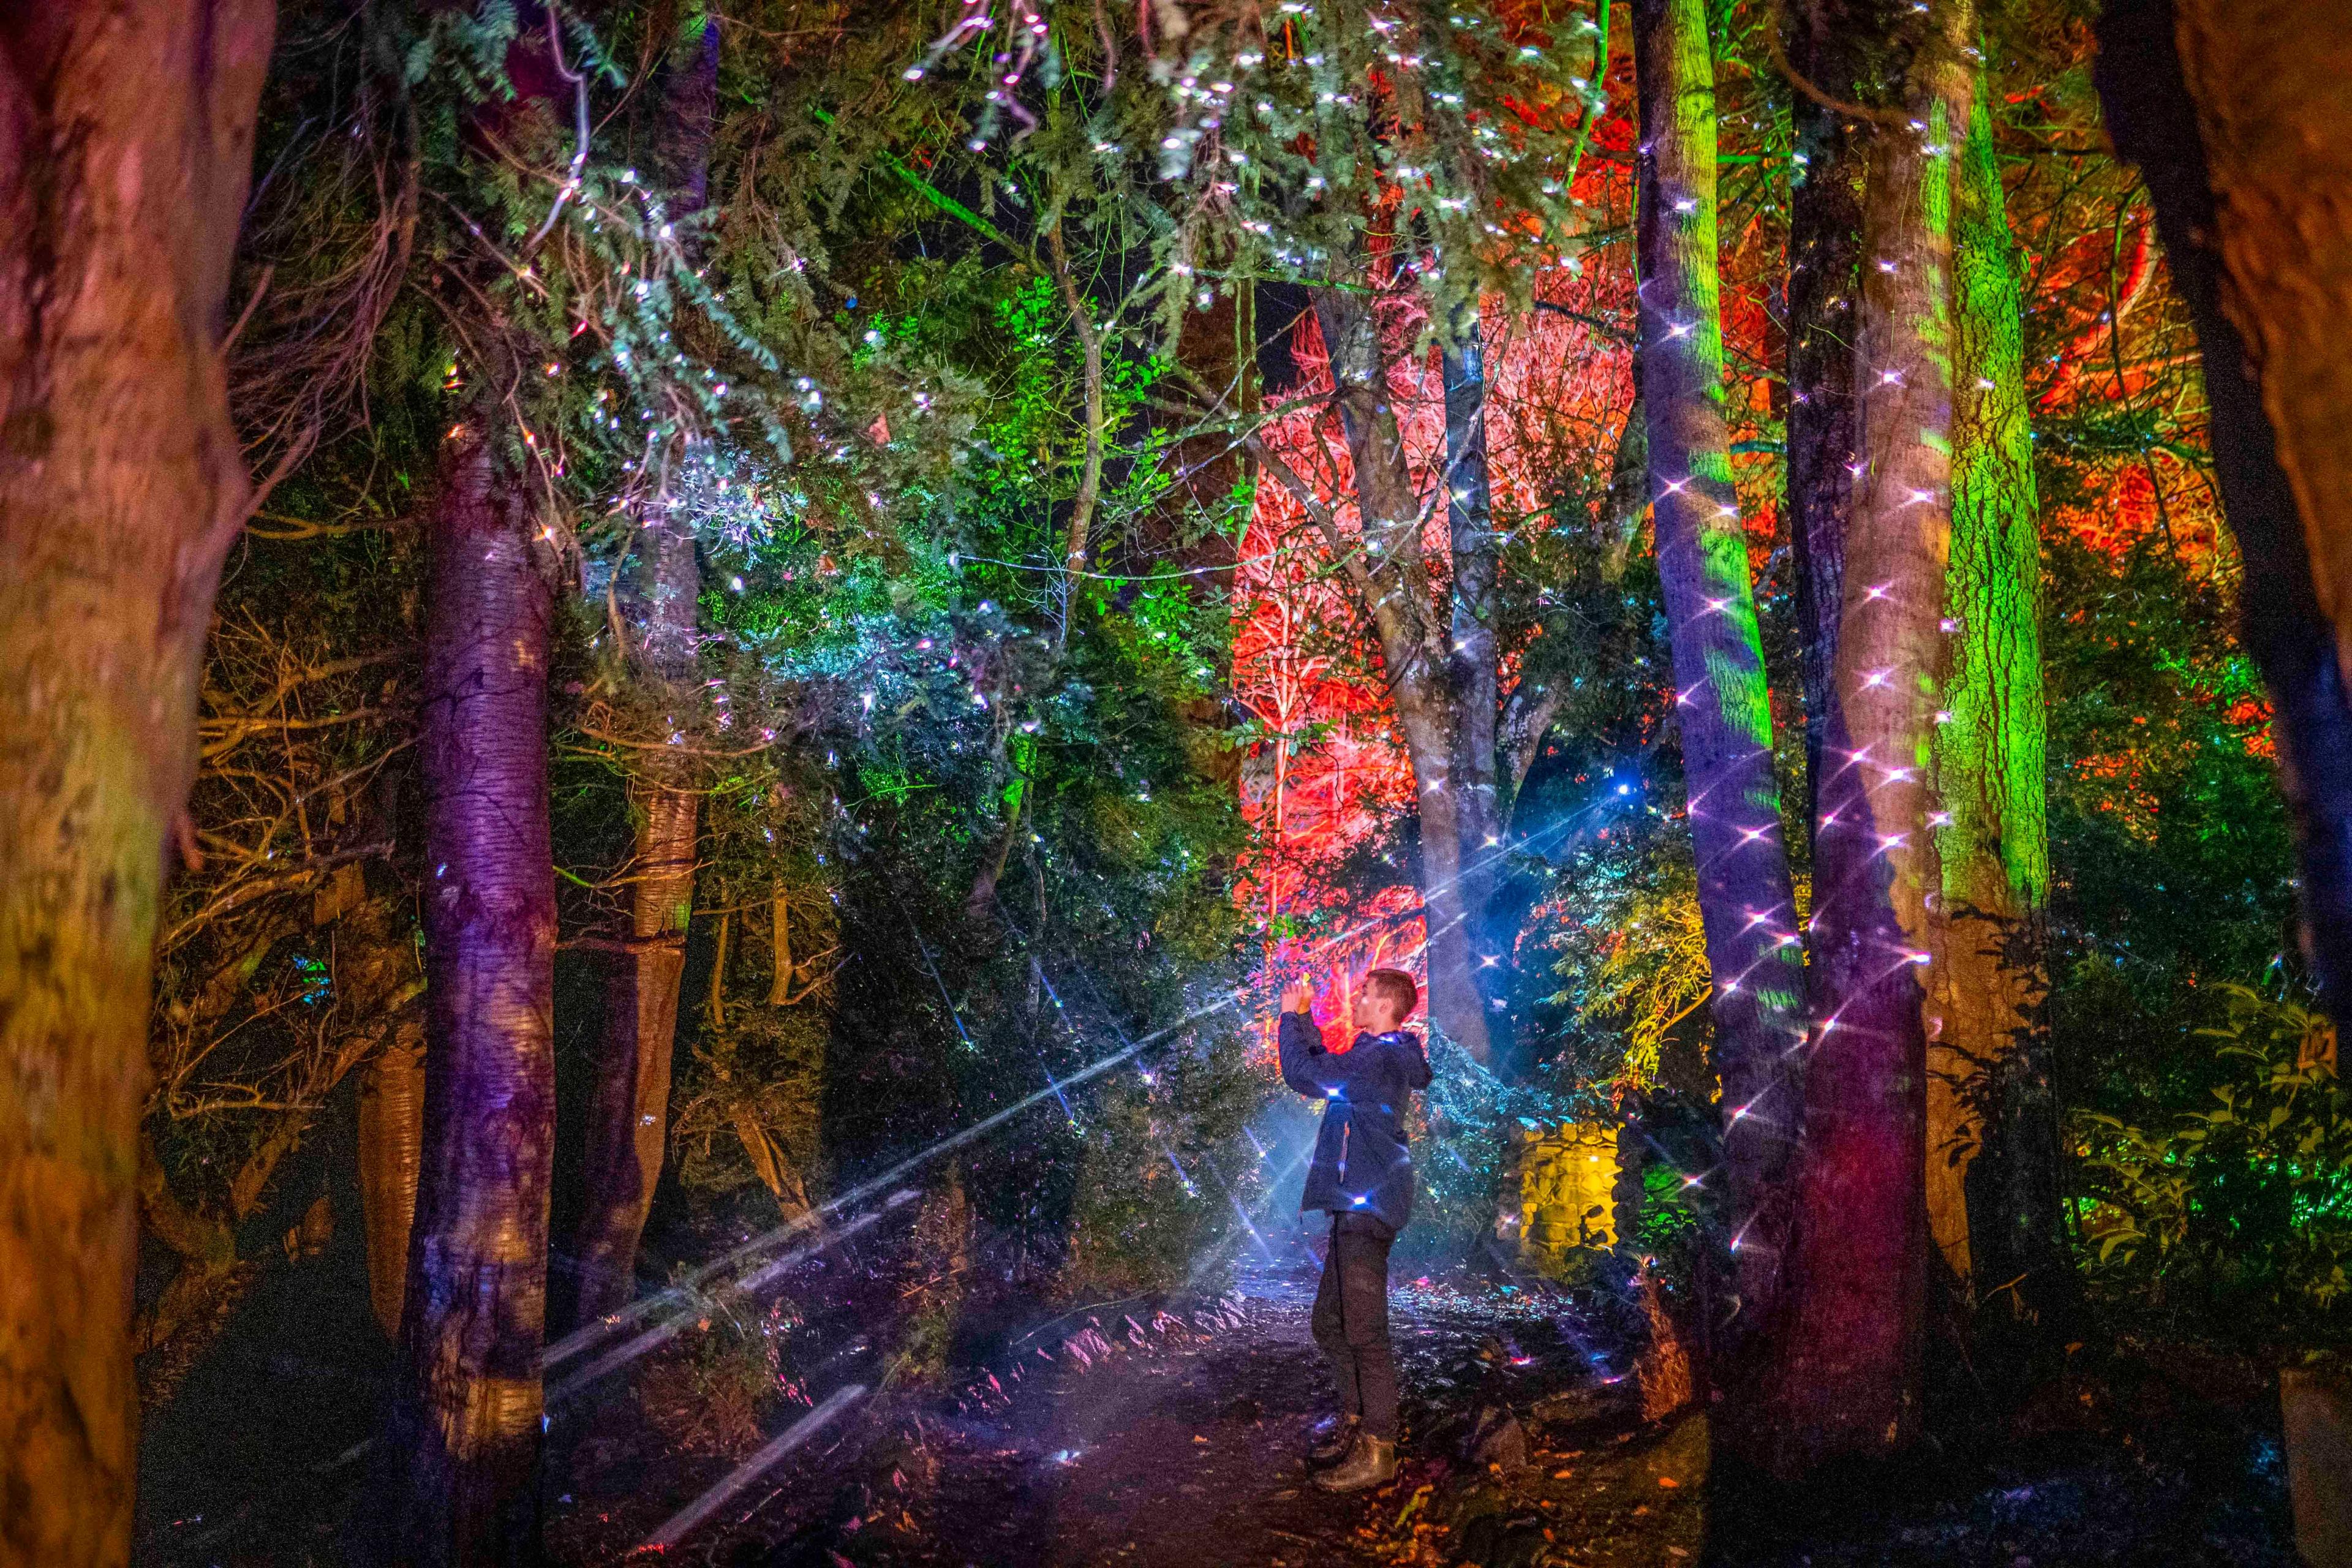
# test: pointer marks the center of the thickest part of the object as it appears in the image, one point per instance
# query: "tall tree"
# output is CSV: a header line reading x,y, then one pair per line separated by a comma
x,y
467,1422
1988,1070
1824,46
2237,120
628,1113
1372,156
475,1315
1455,779
1847,1354
1474,671
1723,709
126,136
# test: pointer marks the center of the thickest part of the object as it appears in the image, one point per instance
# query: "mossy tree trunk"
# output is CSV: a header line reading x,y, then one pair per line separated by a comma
x,y
1991,1186
1723,710
126,138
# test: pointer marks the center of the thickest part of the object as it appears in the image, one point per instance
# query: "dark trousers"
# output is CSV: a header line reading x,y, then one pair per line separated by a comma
x,y
1351,1321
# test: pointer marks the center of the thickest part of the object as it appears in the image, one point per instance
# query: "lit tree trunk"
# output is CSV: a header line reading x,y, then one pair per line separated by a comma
x,y
2238,123
1848,1364
1724,711
1473,669
126,136
1390,579
474,1326
391,1143
1824,285
1988,1072
628,1112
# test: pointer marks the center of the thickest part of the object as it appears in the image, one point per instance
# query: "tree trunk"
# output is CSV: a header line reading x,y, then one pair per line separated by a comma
x,y
780,938
1390,580
1849,1357
1723,709
1824,286
1988,1070
1458,1007
1474,670
126,138
475,1323
2240,125
628,1111
391,1139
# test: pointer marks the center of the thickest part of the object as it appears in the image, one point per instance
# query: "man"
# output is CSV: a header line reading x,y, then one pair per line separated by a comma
x,y
1362,1176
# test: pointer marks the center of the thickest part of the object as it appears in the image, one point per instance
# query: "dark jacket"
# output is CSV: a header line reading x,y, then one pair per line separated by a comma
x,y
1362,1164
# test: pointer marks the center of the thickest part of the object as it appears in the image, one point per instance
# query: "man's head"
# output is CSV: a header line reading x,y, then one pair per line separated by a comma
x,y
1385,999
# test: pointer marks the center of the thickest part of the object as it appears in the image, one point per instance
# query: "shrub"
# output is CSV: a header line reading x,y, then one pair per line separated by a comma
x,y
2249,1201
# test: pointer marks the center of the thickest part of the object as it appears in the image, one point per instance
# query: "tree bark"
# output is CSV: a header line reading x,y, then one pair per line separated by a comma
x,y
1987,1068
391,1145
628,1111
1390,580
1849,1355
476,1317
126,136
1824,285
780,939
1723,709
2238,123
1474,670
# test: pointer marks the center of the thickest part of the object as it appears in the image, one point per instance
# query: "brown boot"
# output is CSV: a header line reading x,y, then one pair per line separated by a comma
x,y
1334,1436
1371,1463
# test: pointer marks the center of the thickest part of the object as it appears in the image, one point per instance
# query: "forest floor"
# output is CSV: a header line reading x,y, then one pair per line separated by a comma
x,y
1166,1433
1160,1437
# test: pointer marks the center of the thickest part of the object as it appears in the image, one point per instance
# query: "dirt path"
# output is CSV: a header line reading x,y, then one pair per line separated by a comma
x,y
1159,1439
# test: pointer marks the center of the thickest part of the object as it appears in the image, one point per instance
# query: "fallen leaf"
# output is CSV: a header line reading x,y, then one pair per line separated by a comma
x,y
1669,1481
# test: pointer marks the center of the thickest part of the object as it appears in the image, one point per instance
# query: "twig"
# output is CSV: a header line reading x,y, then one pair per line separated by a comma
x,y
579,80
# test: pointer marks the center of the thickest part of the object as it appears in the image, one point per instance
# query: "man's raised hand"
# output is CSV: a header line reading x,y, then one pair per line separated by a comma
x,y
1298,996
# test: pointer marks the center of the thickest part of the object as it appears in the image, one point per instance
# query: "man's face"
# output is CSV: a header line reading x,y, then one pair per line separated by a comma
x,y
1372,1012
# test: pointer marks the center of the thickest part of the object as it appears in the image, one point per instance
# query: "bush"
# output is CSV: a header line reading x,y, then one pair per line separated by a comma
x,y
712,1393
1164,1171
2250,1202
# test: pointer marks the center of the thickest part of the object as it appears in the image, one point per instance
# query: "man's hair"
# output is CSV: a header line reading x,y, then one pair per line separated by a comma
x,y
1395,986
